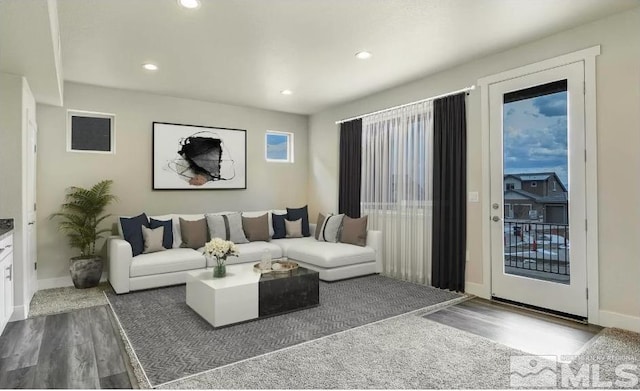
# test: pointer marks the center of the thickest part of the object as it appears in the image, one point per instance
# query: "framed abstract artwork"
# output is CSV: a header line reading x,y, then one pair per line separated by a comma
x,y
191,157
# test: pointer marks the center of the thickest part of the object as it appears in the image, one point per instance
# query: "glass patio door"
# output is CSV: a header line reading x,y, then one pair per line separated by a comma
x,y
538,228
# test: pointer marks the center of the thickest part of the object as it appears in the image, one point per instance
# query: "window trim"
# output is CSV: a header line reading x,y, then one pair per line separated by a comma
x,y
94,114
290,146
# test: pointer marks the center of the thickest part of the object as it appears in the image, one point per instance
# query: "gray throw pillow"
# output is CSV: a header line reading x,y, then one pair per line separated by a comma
x,y
256,228
227,227
194,233
152,239
294,228
330,230
354,231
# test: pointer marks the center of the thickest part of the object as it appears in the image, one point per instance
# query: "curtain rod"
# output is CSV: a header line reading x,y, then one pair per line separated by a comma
x,y
467,89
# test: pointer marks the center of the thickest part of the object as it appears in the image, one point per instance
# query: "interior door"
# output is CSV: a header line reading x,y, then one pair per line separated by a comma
x,y
538,228
32,150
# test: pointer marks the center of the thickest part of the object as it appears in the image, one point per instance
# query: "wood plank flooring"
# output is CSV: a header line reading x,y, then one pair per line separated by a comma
x,y
529,331
78,349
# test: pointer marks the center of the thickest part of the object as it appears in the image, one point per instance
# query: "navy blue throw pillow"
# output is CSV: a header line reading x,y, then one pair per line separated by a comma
x,y
279,230
167,238
300,213
132,232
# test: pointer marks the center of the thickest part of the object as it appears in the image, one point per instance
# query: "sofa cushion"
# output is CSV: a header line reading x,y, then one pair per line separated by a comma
x,y
132,232
300,213
227,227
153,239
354,231
286,244
250,252
174,260
330,255
256,228
167,236
279,229
194,233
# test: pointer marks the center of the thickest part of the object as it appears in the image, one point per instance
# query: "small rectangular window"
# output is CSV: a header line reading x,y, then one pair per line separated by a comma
x,y
278,147
90,132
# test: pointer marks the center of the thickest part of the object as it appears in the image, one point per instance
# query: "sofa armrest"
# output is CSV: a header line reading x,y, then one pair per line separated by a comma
x,y
374,240
120,257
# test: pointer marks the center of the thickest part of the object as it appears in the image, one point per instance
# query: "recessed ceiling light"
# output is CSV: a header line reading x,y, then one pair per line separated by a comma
x,y
363,55
190,4
286,92
150,67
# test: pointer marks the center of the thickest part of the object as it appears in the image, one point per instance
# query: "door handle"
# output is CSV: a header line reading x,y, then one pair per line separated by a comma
x,y
496,218
10,270
31,222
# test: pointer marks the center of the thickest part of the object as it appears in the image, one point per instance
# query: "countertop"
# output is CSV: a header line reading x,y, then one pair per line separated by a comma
x,y
6,228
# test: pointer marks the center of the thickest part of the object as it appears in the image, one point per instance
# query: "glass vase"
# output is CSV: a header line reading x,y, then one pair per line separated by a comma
x,y
219,271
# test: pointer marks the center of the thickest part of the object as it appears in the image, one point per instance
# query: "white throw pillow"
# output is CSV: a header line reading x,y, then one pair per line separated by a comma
x,y
330,229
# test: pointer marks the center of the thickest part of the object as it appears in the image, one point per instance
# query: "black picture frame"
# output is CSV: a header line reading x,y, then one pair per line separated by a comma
x,y
195,157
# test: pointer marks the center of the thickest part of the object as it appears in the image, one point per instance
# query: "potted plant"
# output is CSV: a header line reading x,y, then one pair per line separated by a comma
x,y
80,215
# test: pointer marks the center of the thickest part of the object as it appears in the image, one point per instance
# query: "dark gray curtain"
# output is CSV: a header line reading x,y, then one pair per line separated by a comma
x,y
449,192
350,169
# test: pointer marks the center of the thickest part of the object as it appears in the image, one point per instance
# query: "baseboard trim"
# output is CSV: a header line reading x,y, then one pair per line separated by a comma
x,y
476,289
62,282
20,312
621,321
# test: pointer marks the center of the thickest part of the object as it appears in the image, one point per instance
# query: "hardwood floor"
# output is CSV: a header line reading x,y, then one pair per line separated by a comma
x,y
529,331
79,349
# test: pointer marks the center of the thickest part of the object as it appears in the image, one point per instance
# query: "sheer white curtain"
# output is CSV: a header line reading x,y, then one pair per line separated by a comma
x,y
396,192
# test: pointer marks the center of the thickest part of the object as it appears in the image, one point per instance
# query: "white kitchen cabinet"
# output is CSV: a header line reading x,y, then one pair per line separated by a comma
x,y
6,283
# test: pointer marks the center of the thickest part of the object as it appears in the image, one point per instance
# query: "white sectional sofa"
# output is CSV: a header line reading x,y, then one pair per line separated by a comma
x,y
333,261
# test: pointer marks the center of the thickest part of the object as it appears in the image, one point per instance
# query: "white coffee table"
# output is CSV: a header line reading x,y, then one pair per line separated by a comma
x,y
227,300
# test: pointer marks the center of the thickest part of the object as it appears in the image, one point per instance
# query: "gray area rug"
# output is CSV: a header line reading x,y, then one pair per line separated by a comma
x,y
172,342
410,352
406,352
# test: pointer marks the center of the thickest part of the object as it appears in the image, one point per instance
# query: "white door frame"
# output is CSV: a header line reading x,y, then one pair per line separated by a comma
x,y
589,57
567,298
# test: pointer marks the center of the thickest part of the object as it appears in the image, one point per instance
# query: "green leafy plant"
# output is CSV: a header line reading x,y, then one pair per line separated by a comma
x,y
81,214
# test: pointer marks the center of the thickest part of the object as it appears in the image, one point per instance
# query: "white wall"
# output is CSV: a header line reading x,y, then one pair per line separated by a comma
x,y
269,185
618,112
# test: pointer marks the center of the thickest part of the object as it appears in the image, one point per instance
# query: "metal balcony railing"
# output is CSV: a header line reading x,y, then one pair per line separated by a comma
x,y
537,250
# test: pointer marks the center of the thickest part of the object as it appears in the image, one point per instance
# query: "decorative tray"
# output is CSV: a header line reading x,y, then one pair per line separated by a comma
x,y
277,267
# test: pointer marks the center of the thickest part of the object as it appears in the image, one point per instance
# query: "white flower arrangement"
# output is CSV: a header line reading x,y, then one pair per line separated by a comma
x,y
220,249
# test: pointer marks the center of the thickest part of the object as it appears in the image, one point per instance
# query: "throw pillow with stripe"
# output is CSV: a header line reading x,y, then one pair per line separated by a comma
x,y
330,229
227,227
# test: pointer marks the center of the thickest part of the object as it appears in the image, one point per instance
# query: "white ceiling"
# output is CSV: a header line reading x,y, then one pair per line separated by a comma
x,y
246,52
29,46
